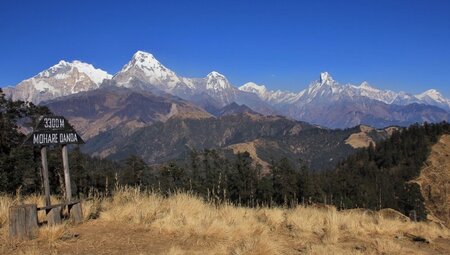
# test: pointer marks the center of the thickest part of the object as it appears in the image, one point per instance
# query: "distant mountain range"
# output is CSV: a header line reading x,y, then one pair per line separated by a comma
x,y
327,87
148,110
117,122
325,102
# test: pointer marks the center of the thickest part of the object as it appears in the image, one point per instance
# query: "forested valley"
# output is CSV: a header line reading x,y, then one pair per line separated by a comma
x,y
374,178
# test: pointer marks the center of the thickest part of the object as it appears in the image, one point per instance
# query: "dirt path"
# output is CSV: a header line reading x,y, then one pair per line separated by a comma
x,y
107,238
98,237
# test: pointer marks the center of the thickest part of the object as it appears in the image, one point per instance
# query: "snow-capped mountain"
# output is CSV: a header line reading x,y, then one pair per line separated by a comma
x,y
328,103
217,86
324,101
433,97
62,79
144,71
327,89
217,82
385,96
271,96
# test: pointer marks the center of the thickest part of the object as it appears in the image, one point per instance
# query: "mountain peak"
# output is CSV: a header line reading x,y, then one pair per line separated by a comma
x,y
142,55
59,80
215,74
64,68
431,91
325,78
145,67
216,81
325,82
144,59
234,108
253,87
61,63
366,86
432,94
96,75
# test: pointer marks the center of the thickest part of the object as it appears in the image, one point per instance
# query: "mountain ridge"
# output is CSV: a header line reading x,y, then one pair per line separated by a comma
x,y
430,97
59,80
96,111
161,75
270,137
324,102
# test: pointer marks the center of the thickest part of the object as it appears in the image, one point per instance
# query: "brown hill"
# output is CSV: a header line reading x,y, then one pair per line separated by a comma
x,y
277,137
100,110
251,148
434,181
364,138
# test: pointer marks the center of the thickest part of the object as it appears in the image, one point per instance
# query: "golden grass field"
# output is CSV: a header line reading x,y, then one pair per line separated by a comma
x,y
139,222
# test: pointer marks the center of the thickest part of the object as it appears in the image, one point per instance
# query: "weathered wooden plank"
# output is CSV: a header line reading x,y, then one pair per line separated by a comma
x,y
76,213
16,217
66,173
54,215
57,205
45,175
23,222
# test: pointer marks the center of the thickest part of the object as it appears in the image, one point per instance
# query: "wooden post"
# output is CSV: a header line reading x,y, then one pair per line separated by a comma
x,y
66,173
54,215
413,215
76,212
23,222
45,175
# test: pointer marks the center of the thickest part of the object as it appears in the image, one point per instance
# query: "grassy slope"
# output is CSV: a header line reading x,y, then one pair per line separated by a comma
x,y
136,222
434,181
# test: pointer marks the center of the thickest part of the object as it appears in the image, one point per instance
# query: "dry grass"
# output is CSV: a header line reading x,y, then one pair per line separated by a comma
x,y
434,181
52,235
237,230
5,203
191,226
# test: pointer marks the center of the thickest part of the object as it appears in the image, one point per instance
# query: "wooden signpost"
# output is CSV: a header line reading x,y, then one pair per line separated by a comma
x,y
54,130
51,131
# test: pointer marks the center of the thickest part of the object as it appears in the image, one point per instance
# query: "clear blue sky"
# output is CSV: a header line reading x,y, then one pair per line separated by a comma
x,y
400,45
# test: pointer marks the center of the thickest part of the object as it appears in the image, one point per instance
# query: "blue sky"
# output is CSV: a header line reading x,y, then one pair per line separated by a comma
x,y
399,45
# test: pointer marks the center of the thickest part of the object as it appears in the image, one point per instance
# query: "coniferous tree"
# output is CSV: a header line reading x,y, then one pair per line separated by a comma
x,y
17,165
243,179
284,182
133,171
173,178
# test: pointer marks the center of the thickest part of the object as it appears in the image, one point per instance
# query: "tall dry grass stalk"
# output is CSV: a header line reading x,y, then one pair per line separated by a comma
x,y
5,203
52,235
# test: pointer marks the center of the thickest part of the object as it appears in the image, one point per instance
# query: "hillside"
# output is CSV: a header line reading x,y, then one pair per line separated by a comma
x,y
136,222
278,137
97,111
384,176
434,181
